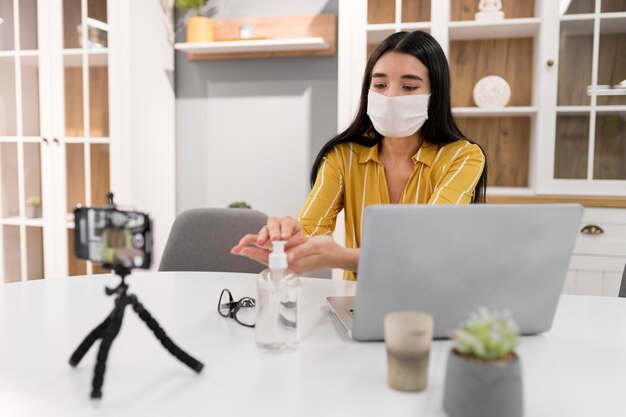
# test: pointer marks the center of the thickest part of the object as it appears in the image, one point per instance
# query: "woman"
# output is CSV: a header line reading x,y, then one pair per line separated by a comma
x,y
403,147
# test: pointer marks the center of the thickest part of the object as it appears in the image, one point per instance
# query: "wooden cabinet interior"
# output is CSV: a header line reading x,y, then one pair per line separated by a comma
x,y
506,141
612,6
72,10
75,175
283,27
571,146
8,180
381,11
575,55
610,147
513,9
71,22
384,11
74,114
98,101
511,59
11,253
34,253
612,64
100,173
416,11
581,6
75,266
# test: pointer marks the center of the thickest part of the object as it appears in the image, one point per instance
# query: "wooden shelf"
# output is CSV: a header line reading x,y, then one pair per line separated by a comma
x,y
486,112
16,221
410,26
377,32
601,201
257,46
507,28
585,110
278,37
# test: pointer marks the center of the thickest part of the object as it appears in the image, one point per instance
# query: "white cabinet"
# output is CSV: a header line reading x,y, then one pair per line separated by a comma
x,y
74,100
563,133
599,255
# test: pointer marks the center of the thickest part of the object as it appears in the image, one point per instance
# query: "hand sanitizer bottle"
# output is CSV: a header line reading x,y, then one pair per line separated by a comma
x,y
276,328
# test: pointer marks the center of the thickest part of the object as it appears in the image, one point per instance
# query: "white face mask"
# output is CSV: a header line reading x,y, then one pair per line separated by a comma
x,y
399,116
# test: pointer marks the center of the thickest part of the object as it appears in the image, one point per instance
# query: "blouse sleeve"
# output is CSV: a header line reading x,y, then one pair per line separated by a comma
x,y
319,213
458,183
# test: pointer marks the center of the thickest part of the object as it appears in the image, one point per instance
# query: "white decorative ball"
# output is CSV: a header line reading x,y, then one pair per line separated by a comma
x,y
492,91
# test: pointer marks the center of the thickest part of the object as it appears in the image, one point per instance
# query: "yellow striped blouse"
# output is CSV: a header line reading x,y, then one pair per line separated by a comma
x,y
351,177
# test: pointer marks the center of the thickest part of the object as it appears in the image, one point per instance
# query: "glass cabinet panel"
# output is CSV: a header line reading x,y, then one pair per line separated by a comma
x,y
575,63
12,254
8,180
75,175
612,62
7,37
610,146
381,11
100,174
613,6
8,115
72,11
467,9
34,253
97,24
74,111
28,24
581,6
32,180
571,147
98,96
75,266
416,11
30,95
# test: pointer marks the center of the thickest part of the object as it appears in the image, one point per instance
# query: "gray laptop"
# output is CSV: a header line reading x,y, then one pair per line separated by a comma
x,y
450,260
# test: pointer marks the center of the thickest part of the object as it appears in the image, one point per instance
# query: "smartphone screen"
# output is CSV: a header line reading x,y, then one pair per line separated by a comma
x,y
111,237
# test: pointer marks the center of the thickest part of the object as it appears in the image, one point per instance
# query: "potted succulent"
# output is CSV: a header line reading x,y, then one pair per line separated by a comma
x,y
483,377
33,207
199,28
239,204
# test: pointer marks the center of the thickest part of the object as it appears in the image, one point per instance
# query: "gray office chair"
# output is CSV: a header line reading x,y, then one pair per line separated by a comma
x,y
622,287
201,240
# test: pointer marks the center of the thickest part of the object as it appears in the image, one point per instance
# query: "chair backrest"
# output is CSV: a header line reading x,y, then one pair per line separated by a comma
x,y
201,240
622,287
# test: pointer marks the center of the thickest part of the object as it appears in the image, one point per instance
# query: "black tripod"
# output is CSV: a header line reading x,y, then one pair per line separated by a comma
x,y
110,327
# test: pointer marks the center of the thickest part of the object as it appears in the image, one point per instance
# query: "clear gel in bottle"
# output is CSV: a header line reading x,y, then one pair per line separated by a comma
x,y
278,293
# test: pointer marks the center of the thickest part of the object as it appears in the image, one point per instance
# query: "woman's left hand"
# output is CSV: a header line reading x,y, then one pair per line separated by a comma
x,y
318,252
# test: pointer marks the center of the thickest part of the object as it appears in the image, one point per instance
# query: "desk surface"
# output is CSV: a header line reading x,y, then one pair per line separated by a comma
x,y
576,369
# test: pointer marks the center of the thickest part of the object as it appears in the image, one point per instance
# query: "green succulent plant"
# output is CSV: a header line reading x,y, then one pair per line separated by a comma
x,y
488,336
191,4
239,204
33,201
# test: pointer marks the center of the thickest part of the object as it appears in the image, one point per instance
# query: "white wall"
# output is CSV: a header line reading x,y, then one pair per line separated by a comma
x,y
249,129
144,111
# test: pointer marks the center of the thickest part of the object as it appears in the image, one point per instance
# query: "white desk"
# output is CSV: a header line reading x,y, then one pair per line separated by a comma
x,y
576,369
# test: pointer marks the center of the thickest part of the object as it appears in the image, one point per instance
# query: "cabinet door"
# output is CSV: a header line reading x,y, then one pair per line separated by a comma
x,y
22,147
590,140
83,163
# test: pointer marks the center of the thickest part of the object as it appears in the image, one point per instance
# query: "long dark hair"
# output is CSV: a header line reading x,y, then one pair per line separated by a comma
x,y
440,128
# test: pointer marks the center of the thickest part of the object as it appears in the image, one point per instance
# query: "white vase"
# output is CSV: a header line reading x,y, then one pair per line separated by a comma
x,y
33,212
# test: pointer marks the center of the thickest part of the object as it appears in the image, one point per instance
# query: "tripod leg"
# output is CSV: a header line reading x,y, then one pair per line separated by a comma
x,y
109,335
88,341
167,343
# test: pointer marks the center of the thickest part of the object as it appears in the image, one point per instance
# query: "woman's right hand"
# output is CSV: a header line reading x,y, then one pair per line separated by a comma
x,y
258,246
